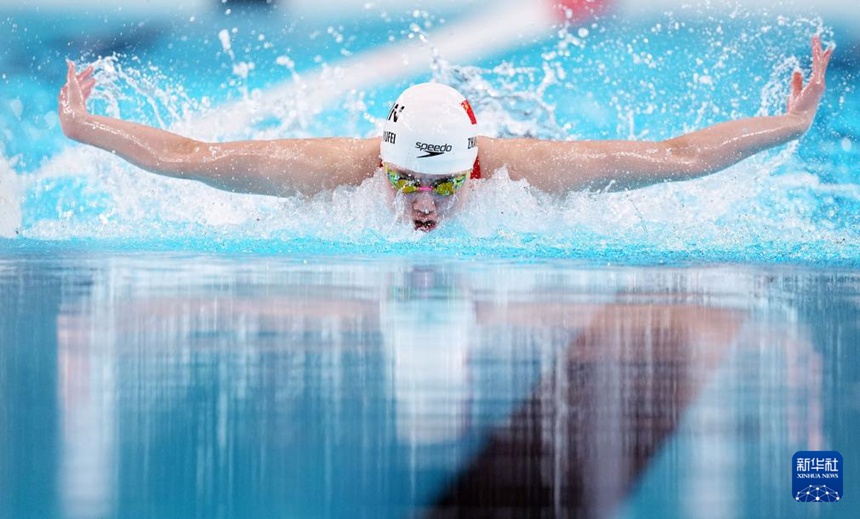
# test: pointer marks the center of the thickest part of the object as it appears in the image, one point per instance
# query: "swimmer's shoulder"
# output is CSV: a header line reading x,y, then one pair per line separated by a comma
x,y
552,166
514,154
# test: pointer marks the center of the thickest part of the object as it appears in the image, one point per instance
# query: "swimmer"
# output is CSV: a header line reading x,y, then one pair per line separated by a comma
x,y
430,150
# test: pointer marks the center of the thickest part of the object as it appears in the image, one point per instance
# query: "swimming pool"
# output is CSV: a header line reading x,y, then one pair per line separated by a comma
x,y
167,350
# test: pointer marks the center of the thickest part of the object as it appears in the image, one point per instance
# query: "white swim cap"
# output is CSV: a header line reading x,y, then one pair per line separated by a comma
x,y
431,129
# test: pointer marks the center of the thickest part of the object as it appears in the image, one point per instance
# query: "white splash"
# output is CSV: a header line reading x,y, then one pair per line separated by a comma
x,y
10,198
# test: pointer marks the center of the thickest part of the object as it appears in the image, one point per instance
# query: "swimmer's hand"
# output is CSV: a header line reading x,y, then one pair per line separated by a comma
x,y
803,100
73,99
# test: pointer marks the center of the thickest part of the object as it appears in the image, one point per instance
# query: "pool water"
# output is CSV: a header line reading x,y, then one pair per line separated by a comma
x,y
169,350
177,385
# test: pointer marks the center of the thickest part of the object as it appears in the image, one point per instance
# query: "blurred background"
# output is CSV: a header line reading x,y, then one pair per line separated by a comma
x,y
200,38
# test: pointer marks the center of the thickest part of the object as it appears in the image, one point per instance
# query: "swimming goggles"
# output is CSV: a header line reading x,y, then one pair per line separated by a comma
x,y
406,184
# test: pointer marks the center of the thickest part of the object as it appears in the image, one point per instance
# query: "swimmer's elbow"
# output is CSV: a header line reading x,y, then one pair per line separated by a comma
x,y
188,158
686,160
219,166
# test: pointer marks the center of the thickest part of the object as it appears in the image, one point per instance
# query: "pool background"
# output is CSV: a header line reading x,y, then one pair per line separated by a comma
x,y
167,350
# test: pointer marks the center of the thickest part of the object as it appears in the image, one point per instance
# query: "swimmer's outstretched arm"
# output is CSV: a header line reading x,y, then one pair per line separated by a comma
x,y
279,167
557,166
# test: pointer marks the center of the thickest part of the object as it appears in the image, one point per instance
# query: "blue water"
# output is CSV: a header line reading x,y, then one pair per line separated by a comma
x,y
190,385
168,350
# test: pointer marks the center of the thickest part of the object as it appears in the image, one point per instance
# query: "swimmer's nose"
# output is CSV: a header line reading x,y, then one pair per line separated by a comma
x,y
424,203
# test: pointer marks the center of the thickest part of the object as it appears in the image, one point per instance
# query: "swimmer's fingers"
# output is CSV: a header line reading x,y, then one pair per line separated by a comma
x,y
72,87
70,74
74,93
804,99
87,87
86,73
814,89
820,60
73,100
796,86
85,81
72,81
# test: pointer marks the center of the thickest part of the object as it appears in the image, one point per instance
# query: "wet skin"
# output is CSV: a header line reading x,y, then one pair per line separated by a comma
x,y
425,209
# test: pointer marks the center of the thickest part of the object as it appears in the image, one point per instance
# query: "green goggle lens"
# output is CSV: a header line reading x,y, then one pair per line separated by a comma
x,y
406,185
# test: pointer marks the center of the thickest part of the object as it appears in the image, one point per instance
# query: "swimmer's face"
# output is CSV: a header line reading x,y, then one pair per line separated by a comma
x,y
427,198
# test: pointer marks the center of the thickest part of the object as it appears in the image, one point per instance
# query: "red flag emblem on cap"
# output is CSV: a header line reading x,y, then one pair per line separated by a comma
x,y
466,106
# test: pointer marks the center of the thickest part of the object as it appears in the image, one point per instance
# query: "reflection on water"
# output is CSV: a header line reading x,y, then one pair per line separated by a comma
x,y
258,387
591,426
86,393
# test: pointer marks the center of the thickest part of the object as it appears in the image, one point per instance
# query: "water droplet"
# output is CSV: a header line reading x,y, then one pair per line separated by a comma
x,y
17,108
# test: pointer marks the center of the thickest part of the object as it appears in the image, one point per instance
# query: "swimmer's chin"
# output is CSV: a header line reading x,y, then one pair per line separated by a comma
x,y
425,226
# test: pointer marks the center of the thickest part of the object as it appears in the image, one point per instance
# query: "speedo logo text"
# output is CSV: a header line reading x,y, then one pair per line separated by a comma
x,y
432,150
